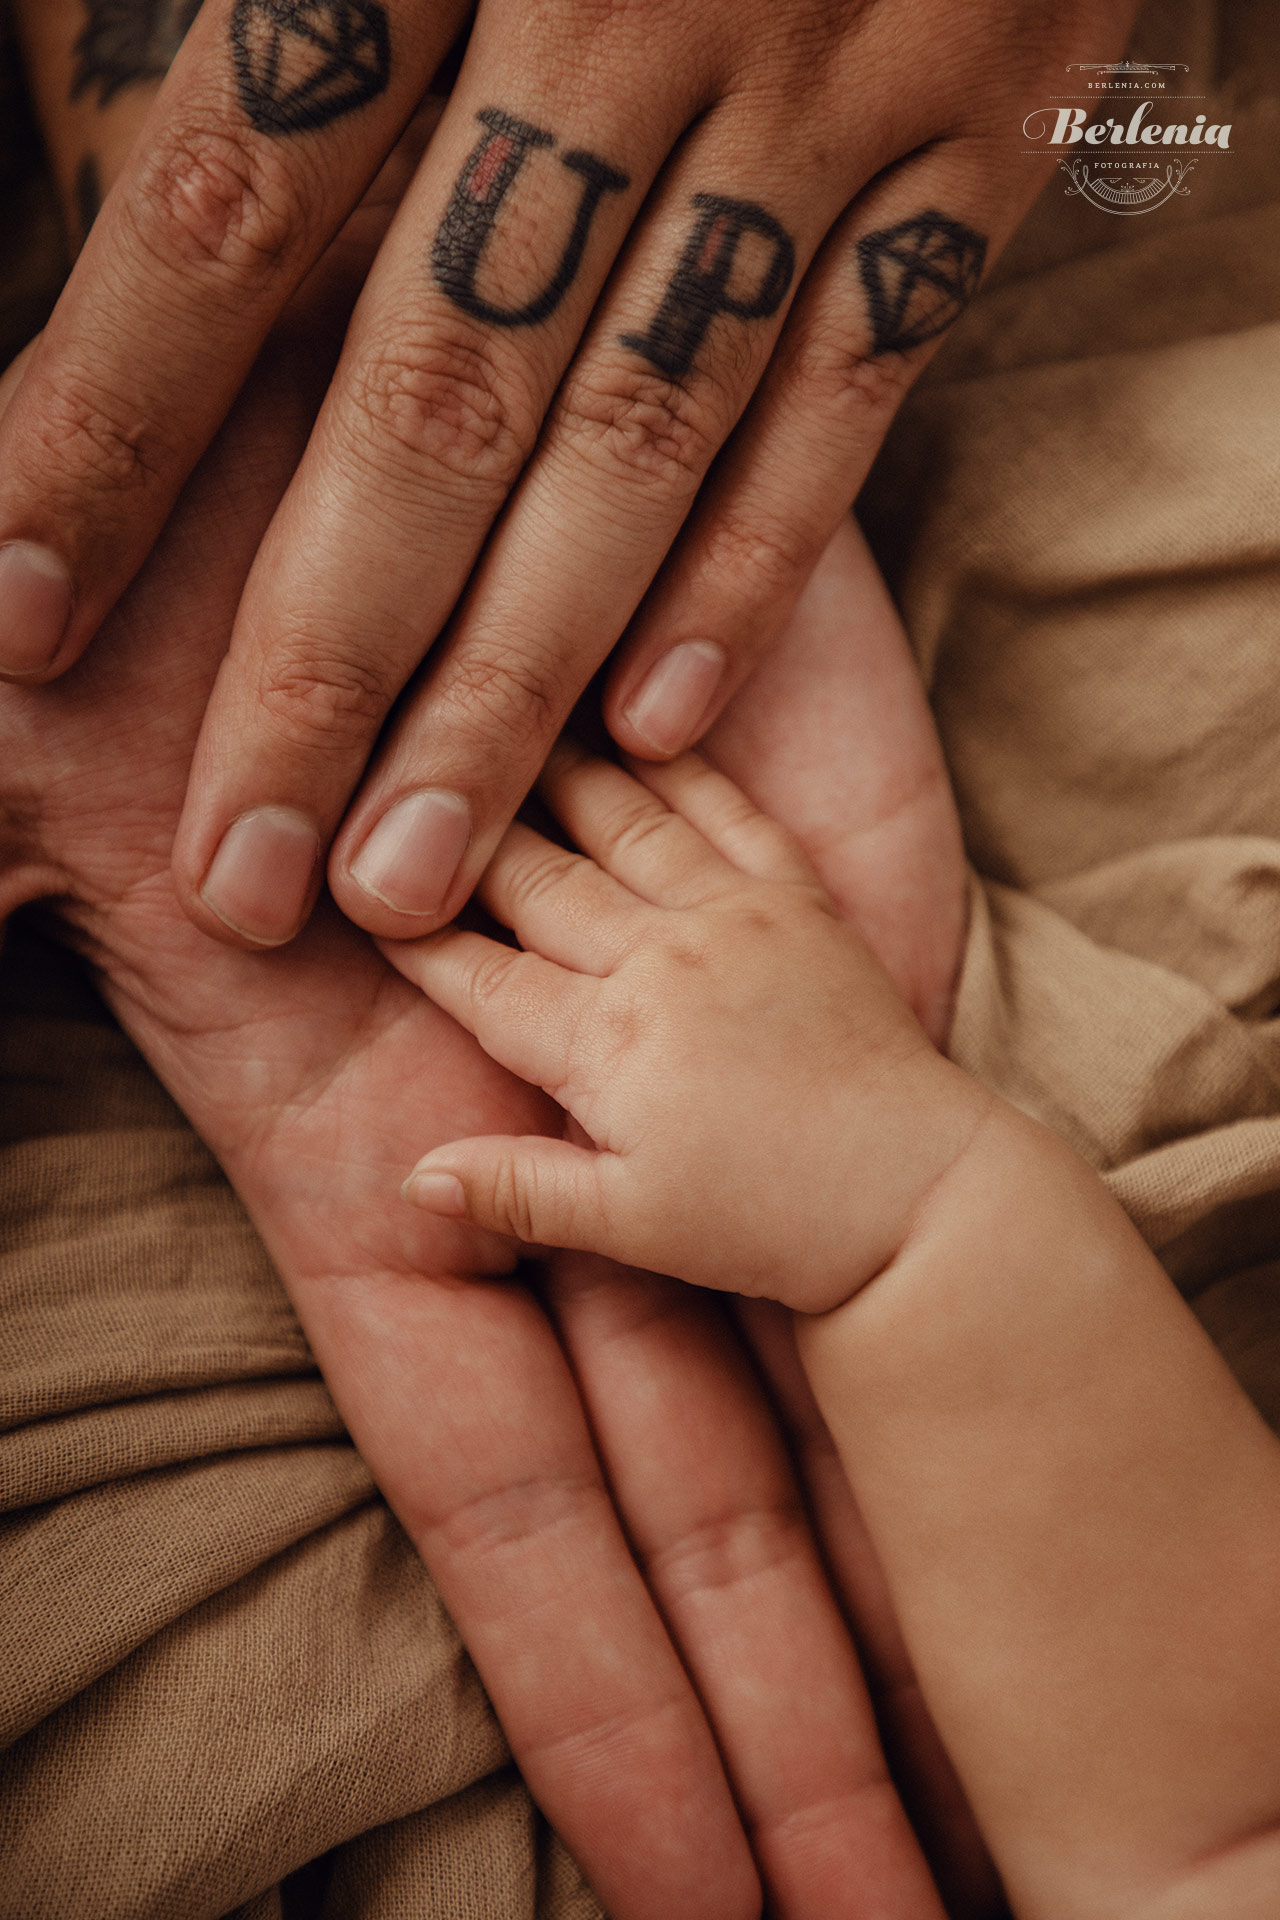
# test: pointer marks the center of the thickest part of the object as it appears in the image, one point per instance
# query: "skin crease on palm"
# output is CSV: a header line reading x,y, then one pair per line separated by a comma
x,y
317,1076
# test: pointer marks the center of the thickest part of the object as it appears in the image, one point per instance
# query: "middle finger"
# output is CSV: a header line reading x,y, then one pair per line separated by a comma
x,y
674,351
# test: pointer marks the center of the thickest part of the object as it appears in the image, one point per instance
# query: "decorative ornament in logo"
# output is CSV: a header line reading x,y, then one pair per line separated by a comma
x,y
1127,193
1137,178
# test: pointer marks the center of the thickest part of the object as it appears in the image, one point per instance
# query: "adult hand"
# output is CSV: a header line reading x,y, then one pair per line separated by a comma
x,y
315,1074
640,234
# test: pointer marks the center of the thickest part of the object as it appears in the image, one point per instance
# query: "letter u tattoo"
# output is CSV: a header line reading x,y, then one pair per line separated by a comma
x,y
472,212
699,288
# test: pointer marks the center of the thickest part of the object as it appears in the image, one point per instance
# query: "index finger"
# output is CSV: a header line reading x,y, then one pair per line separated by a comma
x,y
276,116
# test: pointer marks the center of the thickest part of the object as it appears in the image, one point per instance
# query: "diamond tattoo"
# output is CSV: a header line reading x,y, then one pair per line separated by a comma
x,y
302,63
919,277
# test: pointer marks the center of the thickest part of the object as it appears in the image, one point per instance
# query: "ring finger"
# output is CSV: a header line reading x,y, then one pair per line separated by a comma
x,y
892,278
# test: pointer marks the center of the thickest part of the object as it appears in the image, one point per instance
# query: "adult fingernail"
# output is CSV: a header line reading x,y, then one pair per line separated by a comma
x,y
36,598
437,1192
672,702
261,878
410,859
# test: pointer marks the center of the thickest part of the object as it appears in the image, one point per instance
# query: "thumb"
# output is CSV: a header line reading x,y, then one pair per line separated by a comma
x,y
544,1192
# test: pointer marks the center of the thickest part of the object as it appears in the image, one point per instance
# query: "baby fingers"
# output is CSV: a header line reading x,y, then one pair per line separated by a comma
x,y
525,1011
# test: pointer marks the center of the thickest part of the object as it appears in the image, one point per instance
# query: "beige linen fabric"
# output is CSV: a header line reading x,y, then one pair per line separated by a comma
x,y
1079,509
226,1685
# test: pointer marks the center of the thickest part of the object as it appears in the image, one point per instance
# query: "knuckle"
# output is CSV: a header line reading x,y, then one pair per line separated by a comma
x,y
492,977
447,405
686,956
634,824
760,921
728,1549
514,1198
513,699
541,874
648,429
758,559
84,435
842,383
210,199
325,698
511,1516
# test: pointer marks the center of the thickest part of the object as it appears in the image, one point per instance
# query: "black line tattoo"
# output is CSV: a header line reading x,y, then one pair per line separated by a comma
x,y
919,277
302,63
469,219
88,192
127,41
698,291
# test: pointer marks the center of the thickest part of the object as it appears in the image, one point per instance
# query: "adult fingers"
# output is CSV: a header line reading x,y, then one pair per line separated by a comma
x,y
471,1424
921,1768
475,307
276,115
893,276
676,347
702,1481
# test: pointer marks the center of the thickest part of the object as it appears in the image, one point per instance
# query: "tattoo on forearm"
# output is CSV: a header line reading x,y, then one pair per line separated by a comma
x,y
126,41
469,220
699,289
919,276
88,195
302,63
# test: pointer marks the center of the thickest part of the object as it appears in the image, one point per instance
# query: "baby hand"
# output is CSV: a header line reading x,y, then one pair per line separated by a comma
x,y
765,1114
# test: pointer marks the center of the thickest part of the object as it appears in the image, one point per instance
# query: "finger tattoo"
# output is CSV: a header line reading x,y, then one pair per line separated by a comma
x,y
919,276
701,288
302,63
482,186
127,41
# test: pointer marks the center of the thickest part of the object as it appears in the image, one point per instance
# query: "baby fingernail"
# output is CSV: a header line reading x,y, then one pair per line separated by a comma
x,y
36,599
411,857
668,710
437,1192
261,878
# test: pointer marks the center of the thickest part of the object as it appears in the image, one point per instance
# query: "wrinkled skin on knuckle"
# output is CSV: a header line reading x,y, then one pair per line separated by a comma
x,y
207,199
501,699
641,427
492,979
84,437
448,406
540,875
325,699
844,384
755,560
514,1199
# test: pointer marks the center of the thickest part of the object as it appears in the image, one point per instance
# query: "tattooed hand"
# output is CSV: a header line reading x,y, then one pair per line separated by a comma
x,y
643,237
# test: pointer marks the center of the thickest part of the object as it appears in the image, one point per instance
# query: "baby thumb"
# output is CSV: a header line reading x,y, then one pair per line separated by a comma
x,y
541,1191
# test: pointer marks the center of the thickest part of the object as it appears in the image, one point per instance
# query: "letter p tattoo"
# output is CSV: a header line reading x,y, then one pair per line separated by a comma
x,y
699,288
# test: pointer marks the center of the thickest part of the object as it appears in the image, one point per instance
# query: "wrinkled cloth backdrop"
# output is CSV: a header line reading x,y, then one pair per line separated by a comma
x,y
221,1660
